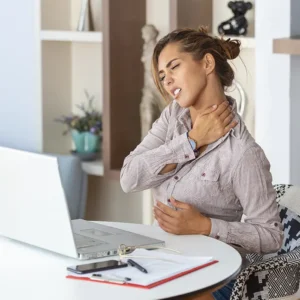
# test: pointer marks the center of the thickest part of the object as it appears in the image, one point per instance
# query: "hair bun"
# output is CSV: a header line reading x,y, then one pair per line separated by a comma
x,y
203,29
231,47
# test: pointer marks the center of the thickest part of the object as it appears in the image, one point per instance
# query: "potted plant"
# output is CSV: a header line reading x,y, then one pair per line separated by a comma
x,y
86,128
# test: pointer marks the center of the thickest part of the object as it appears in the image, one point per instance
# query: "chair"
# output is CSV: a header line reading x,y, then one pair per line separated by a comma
x,y
74,182
277,275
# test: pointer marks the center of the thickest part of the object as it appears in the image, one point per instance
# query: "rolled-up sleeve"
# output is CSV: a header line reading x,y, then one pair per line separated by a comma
x,y
142,166
261,231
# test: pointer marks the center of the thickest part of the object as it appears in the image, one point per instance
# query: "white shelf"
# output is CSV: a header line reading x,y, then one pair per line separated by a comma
x,y
93,167
71,36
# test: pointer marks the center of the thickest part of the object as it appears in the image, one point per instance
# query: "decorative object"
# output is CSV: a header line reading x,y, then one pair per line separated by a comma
x,y
152,102
85,142
86,129
90,16
84,20
238,24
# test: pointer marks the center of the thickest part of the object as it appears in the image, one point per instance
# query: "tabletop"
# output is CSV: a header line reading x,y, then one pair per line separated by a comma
x,y
32,273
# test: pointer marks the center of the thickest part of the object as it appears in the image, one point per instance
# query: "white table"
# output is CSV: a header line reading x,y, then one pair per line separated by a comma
x,y
31,273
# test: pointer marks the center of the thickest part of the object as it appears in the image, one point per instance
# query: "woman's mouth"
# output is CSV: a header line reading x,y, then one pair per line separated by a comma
x,y
176,93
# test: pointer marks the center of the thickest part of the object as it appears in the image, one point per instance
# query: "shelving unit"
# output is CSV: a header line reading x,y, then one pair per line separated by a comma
x,y
287,46
95,168
73,61
71,36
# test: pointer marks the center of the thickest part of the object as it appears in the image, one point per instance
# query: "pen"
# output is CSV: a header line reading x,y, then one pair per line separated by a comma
x,y
120,277
135,264
99,277
113,275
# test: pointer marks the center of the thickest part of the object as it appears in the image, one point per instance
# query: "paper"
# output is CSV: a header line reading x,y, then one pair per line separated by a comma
x,y
159,265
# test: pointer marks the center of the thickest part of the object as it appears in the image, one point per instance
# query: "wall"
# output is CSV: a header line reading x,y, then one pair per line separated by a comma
x,y
273,87
244,65
20,112
295,103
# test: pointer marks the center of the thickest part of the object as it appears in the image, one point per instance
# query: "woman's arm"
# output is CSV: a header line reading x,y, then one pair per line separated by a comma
x,y
142,168
154,160
262,230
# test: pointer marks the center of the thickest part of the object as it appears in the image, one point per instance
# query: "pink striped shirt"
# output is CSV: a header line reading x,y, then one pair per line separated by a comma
x,y
230,178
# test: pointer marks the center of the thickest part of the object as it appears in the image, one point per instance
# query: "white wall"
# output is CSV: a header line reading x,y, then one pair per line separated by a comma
x,y
244,65
273,87
20,108
294,98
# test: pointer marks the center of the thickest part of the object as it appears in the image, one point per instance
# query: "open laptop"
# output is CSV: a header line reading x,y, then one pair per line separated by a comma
x,y
34,210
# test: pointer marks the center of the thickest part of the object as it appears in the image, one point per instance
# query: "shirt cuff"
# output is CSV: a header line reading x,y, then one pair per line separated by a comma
x,y
181,146
219,230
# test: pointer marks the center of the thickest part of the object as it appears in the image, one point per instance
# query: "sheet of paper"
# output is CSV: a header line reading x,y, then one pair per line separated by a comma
x,y
160,265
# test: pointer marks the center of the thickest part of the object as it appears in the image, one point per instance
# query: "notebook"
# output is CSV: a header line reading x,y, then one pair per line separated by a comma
x,y
162,267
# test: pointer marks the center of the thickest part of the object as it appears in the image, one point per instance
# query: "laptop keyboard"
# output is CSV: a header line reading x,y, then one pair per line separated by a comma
x,y
84,241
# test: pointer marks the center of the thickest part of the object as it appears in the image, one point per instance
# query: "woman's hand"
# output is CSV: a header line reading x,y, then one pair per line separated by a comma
x,y
184,220
210,126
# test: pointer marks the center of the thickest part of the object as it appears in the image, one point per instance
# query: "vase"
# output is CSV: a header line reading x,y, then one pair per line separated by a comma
x,y
85,142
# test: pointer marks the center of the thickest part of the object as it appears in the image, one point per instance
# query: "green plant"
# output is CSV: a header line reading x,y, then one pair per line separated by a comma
x,y
90,120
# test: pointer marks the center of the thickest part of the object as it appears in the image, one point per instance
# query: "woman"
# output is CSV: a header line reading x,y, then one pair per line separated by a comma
x,y
204,177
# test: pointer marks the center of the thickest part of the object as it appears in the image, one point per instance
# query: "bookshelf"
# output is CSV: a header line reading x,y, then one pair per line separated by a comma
x,y
73,61
71,36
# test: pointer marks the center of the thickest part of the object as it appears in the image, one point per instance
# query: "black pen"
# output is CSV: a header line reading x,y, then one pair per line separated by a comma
x,y
135,264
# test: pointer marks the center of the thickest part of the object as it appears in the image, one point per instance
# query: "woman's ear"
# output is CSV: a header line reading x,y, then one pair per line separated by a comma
x,y
209,63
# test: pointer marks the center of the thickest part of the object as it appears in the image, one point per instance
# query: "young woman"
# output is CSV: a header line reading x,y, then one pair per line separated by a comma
x,y
205,171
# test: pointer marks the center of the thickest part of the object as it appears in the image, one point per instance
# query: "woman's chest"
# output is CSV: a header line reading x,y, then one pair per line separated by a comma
x,y
205,183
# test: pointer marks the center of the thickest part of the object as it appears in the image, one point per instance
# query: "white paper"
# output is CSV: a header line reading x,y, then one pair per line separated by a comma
x,y
159,265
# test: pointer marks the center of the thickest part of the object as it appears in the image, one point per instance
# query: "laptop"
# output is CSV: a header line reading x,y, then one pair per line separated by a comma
x,y
34,210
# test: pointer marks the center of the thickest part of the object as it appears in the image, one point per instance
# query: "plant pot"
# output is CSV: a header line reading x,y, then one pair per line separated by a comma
x,y
85,142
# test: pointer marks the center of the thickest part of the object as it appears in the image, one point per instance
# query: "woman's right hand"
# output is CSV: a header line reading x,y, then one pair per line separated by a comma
x,y
212,125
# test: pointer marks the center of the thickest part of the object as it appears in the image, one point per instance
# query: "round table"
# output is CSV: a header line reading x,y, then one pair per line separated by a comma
x,y
32,273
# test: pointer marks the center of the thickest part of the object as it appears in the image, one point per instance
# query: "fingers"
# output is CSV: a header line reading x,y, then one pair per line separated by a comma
x,y
228,119
179,204
166,222
166,209
230,126
227,112
159,214
221,108
209,110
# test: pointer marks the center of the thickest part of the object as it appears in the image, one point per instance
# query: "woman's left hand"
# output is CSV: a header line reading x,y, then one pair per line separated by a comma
x,y
186,220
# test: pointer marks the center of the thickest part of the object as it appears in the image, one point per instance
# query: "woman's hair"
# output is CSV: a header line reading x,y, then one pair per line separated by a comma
x,y
198,43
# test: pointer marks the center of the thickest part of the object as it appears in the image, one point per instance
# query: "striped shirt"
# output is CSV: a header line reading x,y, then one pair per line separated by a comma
x,y
230,178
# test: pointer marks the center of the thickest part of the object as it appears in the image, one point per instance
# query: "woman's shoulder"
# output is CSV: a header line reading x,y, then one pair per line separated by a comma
x,y
245,142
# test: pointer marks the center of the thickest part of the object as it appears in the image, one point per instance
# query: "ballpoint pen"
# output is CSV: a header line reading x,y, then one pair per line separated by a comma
x,y
100,277
136,265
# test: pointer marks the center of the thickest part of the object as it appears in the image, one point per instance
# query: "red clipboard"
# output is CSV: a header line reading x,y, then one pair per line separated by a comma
x,y
150,286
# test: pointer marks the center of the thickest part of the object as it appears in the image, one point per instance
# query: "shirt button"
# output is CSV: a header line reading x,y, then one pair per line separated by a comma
x,y
176,177
203,174
217,236
186,156
276,224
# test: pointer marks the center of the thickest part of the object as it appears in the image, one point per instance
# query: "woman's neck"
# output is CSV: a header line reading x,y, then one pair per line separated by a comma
x,y
212,94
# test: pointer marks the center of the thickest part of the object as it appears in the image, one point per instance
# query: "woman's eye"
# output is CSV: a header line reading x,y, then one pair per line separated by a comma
x,y
162,78
175,66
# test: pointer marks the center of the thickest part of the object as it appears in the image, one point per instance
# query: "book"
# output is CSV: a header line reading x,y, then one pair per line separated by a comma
x,y
161,267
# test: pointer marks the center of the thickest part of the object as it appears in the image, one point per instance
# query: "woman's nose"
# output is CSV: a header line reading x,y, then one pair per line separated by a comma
x,y
168,80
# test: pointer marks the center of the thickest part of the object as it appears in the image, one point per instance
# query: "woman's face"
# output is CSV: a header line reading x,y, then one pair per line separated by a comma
x,y
182,77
